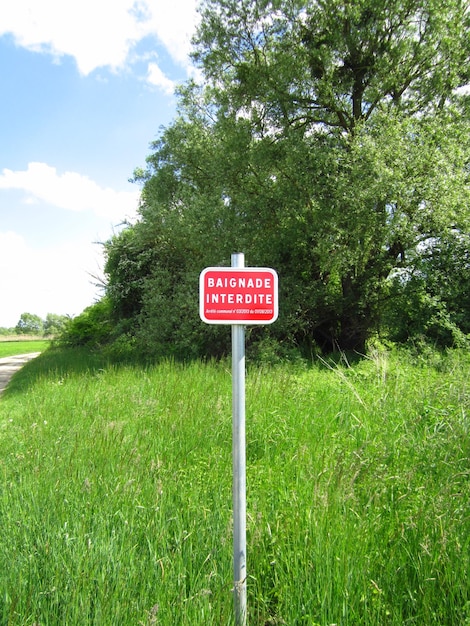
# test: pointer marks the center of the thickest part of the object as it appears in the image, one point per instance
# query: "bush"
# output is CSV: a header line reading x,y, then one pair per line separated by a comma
x,y
91,328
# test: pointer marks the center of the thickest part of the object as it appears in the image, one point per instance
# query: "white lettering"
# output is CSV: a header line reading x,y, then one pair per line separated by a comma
x,y
240,282
241,290
239,298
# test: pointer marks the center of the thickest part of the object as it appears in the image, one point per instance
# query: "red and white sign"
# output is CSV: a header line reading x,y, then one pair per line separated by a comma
x,y
243,295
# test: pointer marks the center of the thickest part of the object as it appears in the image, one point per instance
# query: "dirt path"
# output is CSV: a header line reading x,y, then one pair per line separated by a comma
x,y
11,364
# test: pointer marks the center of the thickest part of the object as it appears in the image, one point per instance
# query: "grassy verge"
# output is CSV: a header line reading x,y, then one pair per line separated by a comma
x,y
115,506
16,346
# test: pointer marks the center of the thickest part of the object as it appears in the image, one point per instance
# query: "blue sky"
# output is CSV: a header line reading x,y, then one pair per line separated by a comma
x,y
86,86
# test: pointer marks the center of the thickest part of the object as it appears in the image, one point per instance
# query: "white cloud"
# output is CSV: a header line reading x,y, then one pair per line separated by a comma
x,y
175,23
99,33
157,77
55,280
70,191
95,32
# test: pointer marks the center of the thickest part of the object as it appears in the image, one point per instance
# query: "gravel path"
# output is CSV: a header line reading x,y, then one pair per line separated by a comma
x,y
11,364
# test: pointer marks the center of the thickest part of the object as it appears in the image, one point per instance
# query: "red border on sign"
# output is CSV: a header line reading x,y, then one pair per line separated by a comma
x,y
238,295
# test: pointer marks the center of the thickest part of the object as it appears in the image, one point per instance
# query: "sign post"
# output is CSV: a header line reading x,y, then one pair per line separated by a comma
x,y
238,296
239,464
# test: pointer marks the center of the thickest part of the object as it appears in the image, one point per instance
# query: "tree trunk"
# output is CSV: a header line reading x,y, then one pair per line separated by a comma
x,y
355,319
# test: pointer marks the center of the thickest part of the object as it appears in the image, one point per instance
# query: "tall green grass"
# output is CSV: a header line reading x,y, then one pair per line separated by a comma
x,y
115,503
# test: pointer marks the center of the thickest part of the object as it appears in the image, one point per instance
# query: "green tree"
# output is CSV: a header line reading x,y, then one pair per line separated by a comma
x,y
329,141
29,324
359,98
55,324
153,266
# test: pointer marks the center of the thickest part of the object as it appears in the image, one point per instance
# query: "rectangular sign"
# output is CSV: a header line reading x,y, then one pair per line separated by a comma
x,y
245,295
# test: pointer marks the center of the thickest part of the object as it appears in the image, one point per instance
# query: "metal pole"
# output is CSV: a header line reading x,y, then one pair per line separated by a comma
x,y
239,463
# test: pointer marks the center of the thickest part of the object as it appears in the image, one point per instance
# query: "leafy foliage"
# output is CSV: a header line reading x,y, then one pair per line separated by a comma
x,y
54,324
329,142
91,328
29,324
433,299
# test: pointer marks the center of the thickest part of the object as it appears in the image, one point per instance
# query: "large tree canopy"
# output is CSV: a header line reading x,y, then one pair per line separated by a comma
x,y
333,63
329,140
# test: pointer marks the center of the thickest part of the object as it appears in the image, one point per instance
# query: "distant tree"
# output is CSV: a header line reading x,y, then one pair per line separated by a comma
x,y
54,324
29,324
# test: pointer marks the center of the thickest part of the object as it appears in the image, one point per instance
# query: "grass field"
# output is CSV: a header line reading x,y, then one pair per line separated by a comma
x,y
11,347
115,503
